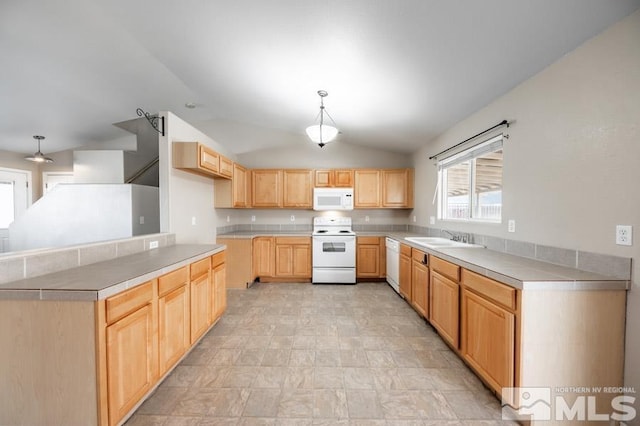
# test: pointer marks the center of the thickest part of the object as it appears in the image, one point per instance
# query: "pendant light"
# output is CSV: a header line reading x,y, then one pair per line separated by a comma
x,y
322,133
38,157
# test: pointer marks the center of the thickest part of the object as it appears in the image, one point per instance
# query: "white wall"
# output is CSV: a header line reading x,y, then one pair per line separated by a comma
x,y
98,166
571,165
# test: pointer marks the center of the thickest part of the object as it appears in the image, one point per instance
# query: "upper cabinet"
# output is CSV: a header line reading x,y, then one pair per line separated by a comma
x,y
337,178
397,188
298,189
233,193
199,158
367,191
266,188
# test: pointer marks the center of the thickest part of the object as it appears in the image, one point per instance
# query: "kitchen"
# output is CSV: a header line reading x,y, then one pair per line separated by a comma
x,y
571,152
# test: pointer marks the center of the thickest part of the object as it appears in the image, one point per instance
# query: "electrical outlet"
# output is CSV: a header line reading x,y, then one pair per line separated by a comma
x,y
415,219
512,225
141,220
193,220
366,218
253,218
432,220
624,235
293,218
228,218
153,244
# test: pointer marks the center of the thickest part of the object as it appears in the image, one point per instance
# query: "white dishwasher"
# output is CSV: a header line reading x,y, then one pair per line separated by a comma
x,y
393,263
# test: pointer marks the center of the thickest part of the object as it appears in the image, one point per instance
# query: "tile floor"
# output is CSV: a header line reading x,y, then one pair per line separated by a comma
x,y
302,354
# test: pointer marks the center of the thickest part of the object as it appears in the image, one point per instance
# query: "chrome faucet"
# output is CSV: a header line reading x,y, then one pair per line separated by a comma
x,y
454,237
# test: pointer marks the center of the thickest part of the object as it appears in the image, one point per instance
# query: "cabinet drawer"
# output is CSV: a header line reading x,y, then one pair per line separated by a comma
x,y
368,240
489,288
420,256
445,268
199,268
122,304
293,240
218,259
172,280
405,250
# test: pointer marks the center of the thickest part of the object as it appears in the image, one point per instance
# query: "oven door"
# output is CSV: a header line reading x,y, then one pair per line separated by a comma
x,y
330,251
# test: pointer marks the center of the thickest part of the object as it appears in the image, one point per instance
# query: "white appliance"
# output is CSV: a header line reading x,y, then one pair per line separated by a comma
x,y
333,199
393,263
333,251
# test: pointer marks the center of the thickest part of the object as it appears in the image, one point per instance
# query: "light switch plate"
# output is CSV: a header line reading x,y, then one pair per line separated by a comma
x,y
432,220
512,225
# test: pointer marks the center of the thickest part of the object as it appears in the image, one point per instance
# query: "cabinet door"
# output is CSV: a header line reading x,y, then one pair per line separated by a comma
x,y
174,326
302,260
405,277
419,287
219,291
266,188
200,306
298,188
343,178
209,159
488,340
444,307
367,189
323,178
131,361
226,167
263,257
240,183
397,188
284,260
367,260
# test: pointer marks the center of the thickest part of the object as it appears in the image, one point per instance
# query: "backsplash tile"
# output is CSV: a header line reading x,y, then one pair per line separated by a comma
x,y
612,266
11,270
559,256
492,243
126,248
45,263
520,248
97,253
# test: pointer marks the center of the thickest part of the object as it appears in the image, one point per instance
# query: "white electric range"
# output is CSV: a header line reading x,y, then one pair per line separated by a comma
x,y
334,251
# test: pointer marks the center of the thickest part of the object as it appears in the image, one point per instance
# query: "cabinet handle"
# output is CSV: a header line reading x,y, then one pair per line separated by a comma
x,y
424,260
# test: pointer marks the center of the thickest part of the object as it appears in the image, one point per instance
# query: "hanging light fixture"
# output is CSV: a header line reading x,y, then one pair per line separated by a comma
x,y
38,157
322,133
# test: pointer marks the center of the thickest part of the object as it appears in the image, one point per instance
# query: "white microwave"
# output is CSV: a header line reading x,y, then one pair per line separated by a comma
x,y
333,198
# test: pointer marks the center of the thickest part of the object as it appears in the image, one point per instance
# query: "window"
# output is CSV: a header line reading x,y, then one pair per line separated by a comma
x,y
470,183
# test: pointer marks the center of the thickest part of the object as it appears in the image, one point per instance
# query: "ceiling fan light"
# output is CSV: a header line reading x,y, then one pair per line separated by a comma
x,y
328,134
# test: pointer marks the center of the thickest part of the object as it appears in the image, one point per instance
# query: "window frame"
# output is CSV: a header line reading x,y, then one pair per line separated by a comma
x,y
470,154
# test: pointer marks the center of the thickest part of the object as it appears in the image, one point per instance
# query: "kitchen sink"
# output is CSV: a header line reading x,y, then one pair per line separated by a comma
x,y
436,243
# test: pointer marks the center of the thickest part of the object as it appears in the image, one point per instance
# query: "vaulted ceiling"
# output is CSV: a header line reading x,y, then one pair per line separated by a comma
x,y
398,72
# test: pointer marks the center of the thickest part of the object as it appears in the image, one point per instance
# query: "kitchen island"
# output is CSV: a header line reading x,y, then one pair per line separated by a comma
x,y
86,346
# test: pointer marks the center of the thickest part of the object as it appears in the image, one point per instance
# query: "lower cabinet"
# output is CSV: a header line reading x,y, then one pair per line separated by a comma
x,y
370,257
293,257
143,332
174,324
405,272
263,255
420,282
131,348
444,308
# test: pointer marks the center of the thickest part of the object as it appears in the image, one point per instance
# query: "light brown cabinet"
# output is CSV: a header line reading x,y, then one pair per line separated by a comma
x,y
131,348
444,299
266,188
367,191
293,257
200,298
488,322
370,257
226,167
198,158
232,193
218,285
174,322
263,256
397,188
298,188
405,272
420,282
337,178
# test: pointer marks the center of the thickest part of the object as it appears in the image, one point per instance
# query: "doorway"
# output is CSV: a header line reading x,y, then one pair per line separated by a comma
x,y
15,198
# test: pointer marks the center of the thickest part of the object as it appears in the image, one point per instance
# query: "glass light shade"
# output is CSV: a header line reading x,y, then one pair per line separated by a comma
x,y
329,133
39,157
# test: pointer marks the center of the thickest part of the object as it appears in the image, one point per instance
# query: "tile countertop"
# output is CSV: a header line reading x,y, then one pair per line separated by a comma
x,y
515,271
100,280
